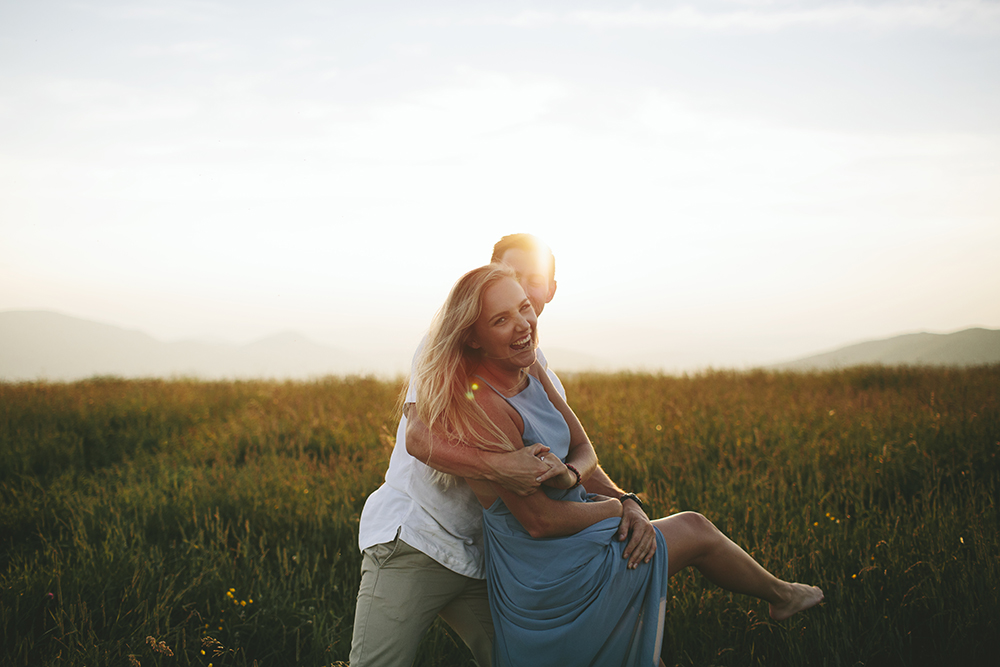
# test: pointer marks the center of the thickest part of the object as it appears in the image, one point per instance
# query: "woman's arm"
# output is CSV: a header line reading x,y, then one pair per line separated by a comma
x,y
581,452
595,479
635,525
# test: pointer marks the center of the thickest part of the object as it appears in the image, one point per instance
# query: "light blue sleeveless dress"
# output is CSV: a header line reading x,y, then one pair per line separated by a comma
x,y
568,600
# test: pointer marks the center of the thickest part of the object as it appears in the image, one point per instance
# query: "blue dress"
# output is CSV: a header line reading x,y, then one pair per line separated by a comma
x,y
568,600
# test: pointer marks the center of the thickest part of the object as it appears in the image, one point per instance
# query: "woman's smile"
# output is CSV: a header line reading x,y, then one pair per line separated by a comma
x,y
506,328
522,343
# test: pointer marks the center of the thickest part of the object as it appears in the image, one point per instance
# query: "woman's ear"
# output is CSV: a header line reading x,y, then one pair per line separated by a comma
x,y
473,343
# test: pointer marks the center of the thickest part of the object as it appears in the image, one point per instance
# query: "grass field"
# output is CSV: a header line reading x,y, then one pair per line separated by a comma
x,y
195,523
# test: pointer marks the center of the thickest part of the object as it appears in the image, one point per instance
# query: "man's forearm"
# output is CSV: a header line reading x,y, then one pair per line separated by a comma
x,y
445,456
520,472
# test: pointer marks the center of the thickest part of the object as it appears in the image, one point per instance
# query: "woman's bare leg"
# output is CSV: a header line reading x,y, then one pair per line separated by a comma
x,y
694,540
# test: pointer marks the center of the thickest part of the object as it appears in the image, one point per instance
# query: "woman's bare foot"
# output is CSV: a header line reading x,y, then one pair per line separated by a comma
x,y
799,597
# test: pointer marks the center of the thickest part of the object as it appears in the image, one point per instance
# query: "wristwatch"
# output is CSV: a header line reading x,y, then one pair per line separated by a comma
x,y
632,496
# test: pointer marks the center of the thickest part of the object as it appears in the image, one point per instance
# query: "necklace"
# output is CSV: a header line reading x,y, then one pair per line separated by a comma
x,y
514,389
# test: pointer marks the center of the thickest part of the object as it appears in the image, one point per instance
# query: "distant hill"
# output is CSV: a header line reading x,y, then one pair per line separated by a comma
x,y
44,345
970,347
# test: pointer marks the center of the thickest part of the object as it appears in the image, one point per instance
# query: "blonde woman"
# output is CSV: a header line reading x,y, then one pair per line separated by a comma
x,y
560,590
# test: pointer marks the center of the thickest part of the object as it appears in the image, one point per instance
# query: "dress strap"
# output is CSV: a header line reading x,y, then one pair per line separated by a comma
x,y
480,377
510,399
490,385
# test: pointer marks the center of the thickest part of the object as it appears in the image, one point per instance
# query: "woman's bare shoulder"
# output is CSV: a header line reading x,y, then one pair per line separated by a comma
x,y
490,401
499,411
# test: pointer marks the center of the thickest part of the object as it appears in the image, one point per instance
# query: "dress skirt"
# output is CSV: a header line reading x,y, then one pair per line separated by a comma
x,y
571,600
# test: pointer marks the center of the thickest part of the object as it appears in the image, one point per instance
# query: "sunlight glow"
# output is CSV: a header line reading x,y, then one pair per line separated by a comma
x,y
725,178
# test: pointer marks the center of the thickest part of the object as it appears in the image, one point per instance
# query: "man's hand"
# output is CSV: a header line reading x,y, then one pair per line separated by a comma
x,y
523,471
642,543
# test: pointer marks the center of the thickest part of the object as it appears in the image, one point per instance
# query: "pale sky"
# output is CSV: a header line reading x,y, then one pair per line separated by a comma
x,y
723,183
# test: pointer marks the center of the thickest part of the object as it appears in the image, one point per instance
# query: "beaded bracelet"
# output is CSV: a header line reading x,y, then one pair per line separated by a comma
x,y
575,472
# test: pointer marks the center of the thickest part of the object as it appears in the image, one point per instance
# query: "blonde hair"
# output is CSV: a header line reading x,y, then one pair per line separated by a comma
x,y
445,401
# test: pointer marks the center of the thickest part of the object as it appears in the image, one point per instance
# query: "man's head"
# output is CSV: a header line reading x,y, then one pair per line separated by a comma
x,y
534,264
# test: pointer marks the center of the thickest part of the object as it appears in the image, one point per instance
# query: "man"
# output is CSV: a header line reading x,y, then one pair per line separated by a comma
x,y
421,531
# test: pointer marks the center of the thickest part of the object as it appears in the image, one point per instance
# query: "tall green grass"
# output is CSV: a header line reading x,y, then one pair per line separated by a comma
x,y
222,517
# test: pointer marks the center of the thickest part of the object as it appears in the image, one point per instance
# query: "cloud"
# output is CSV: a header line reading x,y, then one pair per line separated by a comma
x,y
443,123
954,15
94,101
202,50
182,11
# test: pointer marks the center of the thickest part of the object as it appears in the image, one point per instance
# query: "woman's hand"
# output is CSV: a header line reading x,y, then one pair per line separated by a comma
x,y
521,471
558,475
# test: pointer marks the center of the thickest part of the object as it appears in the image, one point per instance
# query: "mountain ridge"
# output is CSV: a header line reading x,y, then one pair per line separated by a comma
x,y
43,345
46,345
968,347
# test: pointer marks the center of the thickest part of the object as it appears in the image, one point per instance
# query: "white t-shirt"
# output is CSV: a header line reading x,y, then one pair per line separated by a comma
x,y
435,513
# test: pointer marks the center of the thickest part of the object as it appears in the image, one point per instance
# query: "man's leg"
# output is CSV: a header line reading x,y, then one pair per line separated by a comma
x,y
401,592
469,616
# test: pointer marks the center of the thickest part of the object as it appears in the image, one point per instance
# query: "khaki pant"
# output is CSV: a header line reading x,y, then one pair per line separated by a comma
x,y
402,590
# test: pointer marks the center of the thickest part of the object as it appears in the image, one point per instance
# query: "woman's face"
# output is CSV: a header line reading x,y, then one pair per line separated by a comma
x,y
506,329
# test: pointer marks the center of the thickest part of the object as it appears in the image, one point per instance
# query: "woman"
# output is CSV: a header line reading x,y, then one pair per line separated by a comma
x,y
560,591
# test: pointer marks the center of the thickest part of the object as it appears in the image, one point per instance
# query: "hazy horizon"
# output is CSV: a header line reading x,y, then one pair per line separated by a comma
x,y
43,345
753,180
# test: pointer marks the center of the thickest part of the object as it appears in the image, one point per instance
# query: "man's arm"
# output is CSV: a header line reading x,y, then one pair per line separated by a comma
x,y
542,516
521,472
642,545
